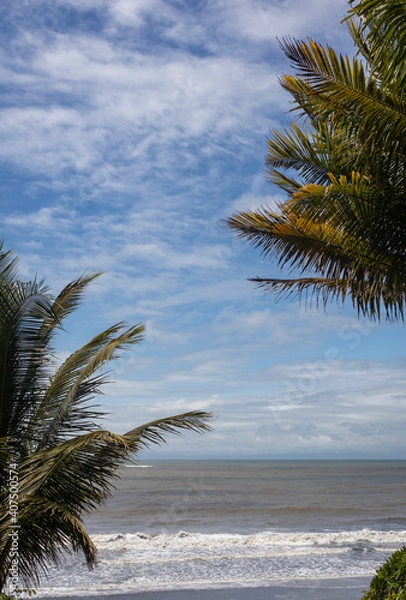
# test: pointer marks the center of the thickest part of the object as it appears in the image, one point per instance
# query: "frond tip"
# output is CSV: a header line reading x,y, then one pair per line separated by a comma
x,y
154,431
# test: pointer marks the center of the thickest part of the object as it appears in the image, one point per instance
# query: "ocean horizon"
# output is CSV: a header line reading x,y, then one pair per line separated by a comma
x,y
175,525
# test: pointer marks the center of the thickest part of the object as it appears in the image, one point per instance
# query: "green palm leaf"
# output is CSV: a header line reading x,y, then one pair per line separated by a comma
x,y
331,87
73,383
154,431
66,464
23,309
379,30
305,151
342,230
47,530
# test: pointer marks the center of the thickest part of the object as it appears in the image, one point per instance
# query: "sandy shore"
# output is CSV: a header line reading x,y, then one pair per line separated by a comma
x,y
335,589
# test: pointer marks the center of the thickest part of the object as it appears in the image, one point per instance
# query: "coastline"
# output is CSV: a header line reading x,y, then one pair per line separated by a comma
x,y
246,531
345,588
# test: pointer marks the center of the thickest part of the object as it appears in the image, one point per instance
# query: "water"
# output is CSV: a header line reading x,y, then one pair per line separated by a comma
x,y
202,524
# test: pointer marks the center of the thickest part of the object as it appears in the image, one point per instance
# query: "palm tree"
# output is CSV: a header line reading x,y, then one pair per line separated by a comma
x,y
342,164
342,228
56,463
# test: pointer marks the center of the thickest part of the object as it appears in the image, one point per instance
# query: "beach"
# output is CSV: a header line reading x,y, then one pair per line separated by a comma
x,y
335,589
241,530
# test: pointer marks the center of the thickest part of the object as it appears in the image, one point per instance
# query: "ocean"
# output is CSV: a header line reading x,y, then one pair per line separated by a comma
x,y
175,525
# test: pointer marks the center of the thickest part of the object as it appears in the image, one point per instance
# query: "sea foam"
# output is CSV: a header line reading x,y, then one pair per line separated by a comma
x,y
143,562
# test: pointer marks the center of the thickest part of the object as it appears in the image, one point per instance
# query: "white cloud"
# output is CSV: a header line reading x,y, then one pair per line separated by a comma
x,y
133,12
98,117
259,20
45,218
129,106
128,137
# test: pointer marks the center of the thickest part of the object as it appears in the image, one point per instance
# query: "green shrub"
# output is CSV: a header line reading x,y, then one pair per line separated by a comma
x,y
389,582
30,593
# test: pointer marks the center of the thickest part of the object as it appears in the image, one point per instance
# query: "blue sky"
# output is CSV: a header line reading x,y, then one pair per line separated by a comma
x,y
130,129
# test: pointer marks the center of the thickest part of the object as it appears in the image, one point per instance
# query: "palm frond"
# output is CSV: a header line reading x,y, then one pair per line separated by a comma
x,y
370,300
154,431
369,222
73,383
63,305
8,265
380,27
339,244
305,151
23,309
46,530
80,470
336,89
61,475
57,485
71,295
293,242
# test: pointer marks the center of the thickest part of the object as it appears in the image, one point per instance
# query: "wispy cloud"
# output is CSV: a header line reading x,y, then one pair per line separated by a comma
x,y
132,128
